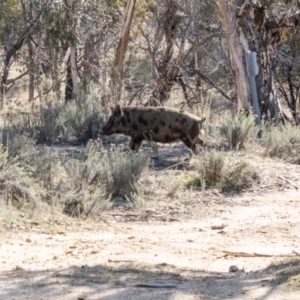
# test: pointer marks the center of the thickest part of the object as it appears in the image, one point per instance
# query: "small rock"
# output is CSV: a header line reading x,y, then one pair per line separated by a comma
x,y
28,240
233,268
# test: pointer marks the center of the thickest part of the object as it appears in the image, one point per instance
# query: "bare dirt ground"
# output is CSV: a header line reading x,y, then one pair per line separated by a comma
x,y
182,241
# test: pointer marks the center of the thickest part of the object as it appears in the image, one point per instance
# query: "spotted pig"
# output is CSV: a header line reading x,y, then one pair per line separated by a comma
x,y
159,124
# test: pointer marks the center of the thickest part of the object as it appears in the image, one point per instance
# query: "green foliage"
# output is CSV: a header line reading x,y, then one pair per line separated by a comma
x,y
76,122
39,162
139,68
237,130
282,141
217,171
17,183
47,125
100,176
120,170
10,20
239,176
75,183
82,121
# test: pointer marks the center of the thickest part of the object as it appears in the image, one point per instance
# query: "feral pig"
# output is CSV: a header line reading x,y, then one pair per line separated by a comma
x,y
159,124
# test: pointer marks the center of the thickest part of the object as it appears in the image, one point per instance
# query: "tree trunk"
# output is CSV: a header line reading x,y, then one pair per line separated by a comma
x,y
250,27
74,75
12,50
31,73
237,46
117,72
163,71
69,84
91,62
71,12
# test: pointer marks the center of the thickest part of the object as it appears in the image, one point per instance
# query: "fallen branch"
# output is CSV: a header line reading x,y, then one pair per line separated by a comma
x,y
297,253
218,227
120,260
288,181
156,285
255,254
122,215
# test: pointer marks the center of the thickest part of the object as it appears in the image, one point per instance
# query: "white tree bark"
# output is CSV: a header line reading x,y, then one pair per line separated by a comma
x,y
72,14
117,73
237,46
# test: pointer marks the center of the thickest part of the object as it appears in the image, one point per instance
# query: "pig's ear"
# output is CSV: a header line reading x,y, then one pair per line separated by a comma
x,y
118,111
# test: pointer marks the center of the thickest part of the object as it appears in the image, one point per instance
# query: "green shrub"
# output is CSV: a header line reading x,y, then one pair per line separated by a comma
x,y
100,176
74,183
237,130
283,141
18,185
238,177
216,170
58,123
40,162
82,122
119,170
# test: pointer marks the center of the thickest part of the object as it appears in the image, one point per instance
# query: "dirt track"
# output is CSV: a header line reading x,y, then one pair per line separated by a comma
x,y
187,240
75,260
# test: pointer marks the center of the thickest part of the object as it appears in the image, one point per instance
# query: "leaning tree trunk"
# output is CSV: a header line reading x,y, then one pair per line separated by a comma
x,y
11,51
117,72
249,26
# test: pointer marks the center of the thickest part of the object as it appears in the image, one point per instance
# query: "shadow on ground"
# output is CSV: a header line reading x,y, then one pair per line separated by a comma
x,y
163,156
118,281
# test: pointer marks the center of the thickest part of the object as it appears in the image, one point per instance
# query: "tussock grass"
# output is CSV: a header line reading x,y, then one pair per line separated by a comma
x,y
77,185
100,177
237,130
120,170
283,141
216,170
18,186
82,121
73,122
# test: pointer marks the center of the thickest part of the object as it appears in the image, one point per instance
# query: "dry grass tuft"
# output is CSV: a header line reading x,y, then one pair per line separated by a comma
x,y
216,170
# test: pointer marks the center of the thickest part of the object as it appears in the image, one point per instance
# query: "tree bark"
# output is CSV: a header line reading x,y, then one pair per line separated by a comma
x,y
12,49
71,89
237,46
31,73
250,26
9,54
166,69
117,72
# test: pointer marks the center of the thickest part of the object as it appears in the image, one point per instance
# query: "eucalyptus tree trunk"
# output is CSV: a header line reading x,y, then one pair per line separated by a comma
x,y
71,90
10,52
117,72
31,73
31,60
250,26
167,67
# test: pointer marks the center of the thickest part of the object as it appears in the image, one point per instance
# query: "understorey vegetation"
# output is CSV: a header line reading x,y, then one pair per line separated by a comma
x,y
218,170
58,160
